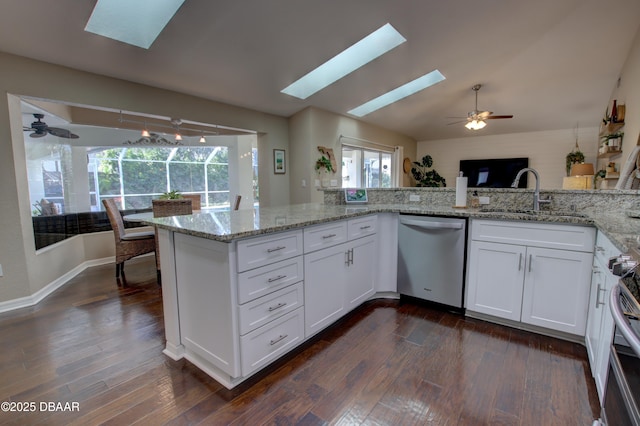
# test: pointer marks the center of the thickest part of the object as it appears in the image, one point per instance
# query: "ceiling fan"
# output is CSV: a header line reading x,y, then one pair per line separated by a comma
x,y
476,119
40,129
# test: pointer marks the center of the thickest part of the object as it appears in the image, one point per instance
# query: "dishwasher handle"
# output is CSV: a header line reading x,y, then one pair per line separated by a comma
x,y
430,224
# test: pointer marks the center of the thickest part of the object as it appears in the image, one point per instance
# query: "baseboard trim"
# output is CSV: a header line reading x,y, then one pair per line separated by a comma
x,y
38,296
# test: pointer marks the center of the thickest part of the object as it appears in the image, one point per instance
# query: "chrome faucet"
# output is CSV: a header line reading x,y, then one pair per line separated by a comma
x,y
536,195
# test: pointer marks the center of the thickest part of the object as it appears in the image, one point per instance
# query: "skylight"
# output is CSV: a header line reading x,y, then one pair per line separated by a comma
x,y
366,50
133,22
398,93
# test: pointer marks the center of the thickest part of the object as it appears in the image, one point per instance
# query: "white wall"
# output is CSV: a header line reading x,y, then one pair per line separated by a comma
x,y
546,151
313,127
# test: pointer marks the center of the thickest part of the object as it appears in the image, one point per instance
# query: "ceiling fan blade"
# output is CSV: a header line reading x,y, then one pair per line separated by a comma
x,y
61,133
483,114
37,134
494,117
457,122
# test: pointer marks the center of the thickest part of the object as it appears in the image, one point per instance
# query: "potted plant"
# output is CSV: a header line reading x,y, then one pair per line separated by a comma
x,y
613,141
425,177
171,203
171,195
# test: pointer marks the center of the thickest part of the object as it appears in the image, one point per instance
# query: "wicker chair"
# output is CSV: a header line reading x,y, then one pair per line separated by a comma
x,y
196,200
129,244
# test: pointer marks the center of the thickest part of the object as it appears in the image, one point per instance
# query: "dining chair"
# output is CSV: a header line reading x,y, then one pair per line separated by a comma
x,y
128,244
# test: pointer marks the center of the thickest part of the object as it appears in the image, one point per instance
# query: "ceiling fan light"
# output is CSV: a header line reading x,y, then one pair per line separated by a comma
x,y
475,124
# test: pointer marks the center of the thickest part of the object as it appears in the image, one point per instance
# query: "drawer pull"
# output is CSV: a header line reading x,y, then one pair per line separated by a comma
x,y
271,250
279,277
598,302
365,227
328,236
278,306
279,339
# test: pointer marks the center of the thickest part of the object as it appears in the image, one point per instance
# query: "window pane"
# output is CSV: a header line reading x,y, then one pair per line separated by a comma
x,y
218,199
186,177
144,177
192,154
372,169
148,154
138,201
351,174
109,177
218,177
385,176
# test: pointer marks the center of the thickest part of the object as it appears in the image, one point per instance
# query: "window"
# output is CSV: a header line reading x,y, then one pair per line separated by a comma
x,y
137,175
365,168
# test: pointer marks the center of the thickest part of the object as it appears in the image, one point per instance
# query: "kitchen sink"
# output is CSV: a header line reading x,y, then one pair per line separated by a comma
x,y
531,212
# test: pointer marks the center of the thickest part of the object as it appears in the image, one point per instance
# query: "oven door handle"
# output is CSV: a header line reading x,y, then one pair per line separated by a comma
x,y
621,320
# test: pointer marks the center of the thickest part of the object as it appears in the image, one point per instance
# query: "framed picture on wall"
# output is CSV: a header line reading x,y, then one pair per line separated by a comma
x,y
278,162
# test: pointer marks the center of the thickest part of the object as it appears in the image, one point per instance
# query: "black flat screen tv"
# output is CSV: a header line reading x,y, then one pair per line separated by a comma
x,y
494,173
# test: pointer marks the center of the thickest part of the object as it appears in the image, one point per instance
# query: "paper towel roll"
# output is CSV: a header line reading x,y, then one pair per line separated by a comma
x,y
461,191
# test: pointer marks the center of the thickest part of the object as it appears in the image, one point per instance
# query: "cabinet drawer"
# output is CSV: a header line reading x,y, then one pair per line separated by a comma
x,y
267,279
260,251
325,235
267,343
563,237
362,226
260,311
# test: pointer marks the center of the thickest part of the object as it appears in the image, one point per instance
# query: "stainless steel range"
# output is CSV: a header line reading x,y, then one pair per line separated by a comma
x,y
621,400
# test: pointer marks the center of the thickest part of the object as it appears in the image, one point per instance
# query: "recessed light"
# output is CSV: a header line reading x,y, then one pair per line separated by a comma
x,y
398,93
364,51
133,22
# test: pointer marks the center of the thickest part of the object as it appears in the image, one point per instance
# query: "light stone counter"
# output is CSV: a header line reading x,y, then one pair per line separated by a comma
x,y
231,225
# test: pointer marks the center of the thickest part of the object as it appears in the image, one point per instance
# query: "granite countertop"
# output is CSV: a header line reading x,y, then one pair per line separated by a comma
x,y
227,226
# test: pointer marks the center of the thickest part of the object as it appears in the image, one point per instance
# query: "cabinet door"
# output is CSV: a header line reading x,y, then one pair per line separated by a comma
x,y
361,277
606,336
324,284
556,289
595,314
495,279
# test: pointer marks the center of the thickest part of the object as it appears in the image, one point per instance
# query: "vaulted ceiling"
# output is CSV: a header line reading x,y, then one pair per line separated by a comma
x,y
550,63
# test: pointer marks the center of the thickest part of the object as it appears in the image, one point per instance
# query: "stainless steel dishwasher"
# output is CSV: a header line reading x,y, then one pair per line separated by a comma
x,y
431,258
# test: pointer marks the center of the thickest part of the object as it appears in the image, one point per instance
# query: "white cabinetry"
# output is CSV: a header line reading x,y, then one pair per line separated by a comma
x,y
600,325
496,279
536,274
241,305
338,277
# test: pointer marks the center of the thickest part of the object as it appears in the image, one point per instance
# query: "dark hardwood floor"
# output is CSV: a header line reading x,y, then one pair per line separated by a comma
x,y
100,346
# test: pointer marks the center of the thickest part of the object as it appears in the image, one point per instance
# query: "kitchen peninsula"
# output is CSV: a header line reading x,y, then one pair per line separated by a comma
x,y
242,288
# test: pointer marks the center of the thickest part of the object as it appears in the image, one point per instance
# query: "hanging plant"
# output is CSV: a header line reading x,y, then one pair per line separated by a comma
x,y
425,177
574,157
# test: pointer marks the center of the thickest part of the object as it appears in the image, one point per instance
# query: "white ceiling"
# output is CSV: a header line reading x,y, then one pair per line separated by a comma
x,y
550,63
